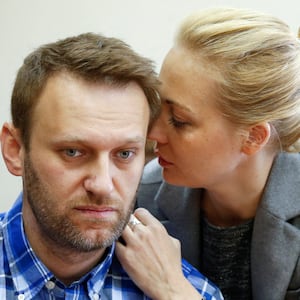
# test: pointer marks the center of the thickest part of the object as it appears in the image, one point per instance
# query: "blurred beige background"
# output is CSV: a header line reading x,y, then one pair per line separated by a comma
x,y
148,26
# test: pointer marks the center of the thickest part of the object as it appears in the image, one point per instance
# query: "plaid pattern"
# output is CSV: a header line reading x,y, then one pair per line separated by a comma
x,y
24,276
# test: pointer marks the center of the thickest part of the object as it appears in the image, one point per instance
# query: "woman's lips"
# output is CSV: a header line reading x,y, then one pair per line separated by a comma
x,y
164,163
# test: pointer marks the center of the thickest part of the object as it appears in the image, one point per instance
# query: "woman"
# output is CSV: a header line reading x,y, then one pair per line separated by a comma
x,y
229,125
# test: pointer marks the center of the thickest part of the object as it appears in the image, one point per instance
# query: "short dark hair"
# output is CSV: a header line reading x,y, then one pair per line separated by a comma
x,y
90,56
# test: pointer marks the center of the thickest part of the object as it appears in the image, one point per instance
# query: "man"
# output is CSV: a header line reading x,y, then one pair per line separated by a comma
x,y
80,114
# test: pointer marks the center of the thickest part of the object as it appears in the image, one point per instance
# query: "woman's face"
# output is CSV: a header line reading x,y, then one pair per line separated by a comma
x,y
196,145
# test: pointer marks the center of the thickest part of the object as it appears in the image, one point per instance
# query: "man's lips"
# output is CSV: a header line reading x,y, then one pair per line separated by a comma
x,y
96,211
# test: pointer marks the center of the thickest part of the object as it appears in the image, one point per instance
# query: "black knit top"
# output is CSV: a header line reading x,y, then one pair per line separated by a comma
x,y
226,258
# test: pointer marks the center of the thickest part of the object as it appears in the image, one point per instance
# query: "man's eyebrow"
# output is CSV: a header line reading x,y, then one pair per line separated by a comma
x,y
136,139
82,140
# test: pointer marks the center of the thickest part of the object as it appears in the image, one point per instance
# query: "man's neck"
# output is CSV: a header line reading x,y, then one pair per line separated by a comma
x,y
67,265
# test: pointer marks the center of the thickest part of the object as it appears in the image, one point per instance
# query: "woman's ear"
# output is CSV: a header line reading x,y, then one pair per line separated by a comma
x,y
12,148
258,137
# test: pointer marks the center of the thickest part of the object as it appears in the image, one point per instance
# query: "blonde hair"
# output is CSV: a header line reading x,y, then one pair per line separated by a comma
x,y
258,58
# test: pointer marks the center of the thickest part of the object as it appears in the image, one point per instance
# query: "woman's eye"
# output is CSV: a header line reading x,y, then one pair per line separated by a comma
x,y
72,152
176,123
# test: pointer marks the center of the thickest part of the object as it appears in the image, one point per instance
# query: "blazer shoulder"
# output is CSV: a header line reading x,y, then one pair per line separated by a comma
x,y
282,192
152,173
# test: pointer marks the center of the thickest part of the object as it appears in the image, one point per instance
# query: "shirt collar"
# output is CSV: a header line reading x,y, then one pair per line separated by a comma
x,y
28,272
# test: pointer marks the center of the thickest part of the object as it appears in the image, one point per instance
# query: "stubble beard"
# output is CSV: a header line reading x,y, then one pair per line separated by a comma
x,y
59,229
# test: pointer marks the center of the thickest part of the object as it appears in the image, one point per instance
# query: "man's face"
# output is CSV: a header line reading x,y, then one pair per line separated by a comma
x,y
85,161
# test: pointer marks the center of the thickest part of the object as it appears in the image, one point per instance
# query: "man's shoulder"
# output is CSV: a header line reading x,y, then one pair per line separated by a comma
x,y
2,223
2,216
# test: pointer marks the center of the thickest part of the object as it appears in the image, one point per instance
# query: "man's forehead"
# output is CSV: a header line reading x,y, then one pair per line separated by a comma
x,y
69,98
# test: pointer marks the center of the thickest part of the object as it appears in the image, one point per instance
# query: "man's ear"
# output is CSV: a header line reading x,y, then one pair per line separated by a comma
x,y
258,137
12,148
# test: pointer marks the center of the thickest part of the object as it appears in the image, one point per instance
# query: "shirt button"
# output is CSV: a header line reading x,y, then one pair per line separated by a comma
x,y
50,285
96,297
21,297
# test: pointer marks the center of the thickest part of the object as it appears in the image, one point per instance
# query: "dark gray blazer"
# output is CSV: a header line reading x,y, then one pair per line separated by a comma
x,y
275,249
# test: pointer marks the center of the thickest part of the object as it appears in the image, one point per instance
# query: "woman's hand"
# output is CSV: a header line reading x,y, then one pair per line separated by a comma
x,y
152,259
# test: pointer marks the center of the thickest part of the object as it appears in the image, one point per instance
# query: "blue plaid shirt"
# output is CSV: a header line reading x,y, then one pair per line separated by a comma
x,y
24,276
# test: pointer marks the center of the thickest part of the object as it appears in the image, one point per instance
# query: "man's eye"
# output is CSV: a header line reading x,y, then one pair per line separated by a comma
x,y
72,152
125,154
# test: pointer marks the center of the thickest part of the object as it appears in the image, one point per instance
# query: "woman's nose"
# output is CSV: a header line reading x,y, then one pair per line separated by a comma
x,y
158,131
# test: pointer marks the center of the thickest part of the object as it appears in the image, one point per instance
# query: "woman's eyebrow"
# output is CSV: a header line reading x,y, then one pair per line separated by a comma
x,y
179,105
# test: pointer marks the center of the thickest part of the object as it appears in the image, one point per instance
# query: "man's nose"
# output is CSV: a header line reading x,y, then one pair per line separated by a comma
x,y
99,180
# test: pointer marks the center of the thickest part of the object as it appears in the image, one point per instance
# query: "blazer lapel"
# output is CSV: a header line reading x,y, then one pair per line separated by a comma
x,y
275,241
275,253
182,218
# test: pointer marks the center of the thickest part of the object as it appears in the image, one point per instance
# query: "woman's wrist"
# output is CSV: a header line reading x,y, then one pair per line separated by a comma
x,y
181,290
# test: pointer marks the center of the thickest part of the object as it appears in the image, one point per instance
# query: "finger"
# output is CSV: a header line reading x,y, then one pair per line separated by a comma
x,y
133,222
176,242
120,246
122,253
146,217
127,234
